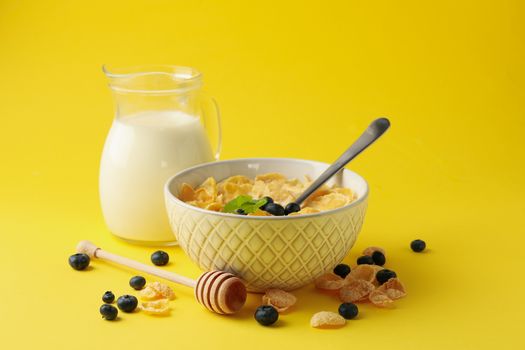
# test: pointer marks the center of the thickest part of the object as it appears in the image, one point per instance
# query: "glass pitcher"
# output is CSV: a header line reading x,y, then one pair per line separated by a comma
x,y
161,126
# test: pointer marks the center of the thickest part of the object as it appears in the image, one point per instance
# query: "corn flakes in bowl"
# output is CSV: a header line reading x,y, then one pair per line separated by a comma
x,y
282,252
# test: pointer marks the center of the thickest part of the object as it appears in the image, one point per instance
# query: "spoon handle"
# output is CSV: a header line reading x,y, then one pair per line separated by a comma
x,y
372,133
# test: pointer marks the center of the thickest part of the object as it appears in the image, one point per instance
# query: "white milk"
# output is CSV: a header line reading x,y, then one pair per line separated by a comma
x,y
141,152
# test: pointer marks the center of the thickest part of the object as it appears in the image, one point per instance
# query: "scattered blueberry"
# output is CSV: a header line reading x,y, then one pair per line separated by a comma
x,y
240,212
342,270
137,282
127,303
274,209
79,261
109,312
291,207
160,258
418,245
266,315
348,310
268,201
108,297
384,275
365,259
379,258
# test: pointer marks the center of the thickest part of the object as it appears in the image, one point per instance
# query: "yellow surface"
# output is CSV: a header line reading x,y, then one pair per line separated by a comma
x,y
294,80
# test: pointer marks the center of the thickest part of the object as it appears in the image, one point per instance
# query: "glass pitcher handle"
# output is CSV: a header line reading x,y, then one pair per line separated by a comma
x,y
215,107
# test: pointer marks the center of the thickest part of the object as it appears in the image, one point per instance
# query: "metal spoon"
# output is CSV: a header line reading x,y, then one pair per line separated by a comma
x,y
372,133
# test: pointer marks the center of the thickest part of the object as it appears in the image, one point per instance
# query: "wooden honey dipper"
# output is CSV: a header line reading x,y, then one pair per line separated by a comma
x,y
219,291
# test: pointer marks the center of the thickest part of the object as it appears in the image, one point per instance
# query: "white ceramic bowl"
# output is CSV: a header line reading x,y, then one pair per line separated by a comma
x,y
284,252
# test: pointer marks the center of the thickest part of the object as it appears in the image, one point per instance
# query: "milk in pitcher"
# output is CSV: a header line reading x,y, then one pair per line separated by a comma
x,y
141,152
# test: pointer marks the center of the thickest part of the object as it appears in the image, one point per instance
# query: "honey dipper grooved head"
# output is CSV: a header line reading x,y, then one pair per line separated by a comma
x,y
220,292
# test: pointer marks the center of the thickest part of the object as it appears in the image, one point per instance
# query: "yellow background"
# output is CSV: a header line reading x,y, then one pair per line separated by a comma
x,y
293,79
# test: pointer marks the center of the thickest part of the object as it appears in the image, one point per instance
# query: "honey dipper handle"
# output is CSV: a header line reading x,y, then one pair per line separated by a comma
x,y
95,252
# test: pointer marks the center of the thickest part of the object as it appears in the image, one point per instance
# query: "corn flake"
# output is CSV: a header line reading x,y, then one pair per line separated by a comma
x,y
329,281
355,290
156,307
327,319
213,196
393,288
362,272
329,201
279,299
389,291
379,298
370,250
270,177
187,193
156,290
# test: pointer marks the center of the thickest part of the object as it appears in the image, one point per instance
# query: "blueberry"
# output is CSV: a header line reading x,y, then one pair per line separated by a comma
x,y
274,209
342,270
109,312
266,315
291,207
379,258
160,258
127,303
365,259
137,282
418,245
79,261
384,275
108,297
268,201
348,310
240,212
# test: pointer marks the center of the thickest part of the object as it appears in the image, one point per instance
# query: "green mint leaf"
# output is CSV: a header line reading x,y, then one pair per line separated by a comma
x,y
246,203
261,202
236,203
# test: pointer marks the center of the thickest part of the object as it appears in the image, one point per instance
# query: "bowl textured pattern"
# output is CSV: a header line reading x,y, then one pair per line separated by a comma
x,y
266,253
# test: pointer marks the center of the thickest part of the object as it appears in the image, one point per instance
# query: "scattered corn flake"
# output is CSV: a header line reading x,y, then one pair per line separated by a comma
x,y
393,288
362,272
156,290
327,319
389,291
355,290
329,281
376,268
370,250
279,299
379,298
156,307
148,293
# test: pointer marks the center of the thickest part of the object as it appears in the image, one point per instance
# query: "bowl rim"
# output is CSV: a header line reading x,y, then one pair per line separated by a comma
x,y
246,217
